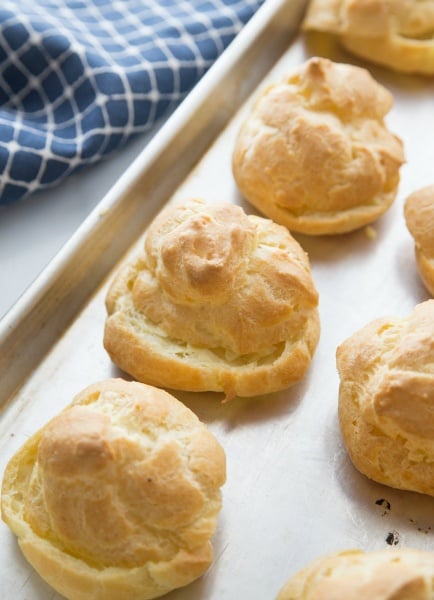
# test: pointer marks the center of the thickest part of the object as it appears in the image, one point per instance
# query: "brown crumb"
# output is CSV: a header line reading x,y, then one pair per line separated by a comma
x,y
370,232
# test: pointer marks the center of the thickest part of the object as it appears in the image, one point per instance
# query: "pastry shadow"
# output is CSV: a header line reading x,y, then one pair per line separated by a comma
x,y
335,247
383,515
211,407
353,245
340,247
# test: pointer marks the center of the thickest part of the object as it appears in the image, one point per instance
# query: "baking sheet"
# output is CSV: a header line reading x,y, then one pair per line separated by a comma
x,y
291,493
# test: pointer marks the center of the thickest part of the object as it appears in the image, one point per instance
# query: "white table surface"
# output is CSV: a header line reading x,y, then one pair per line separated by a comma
x,y
32,231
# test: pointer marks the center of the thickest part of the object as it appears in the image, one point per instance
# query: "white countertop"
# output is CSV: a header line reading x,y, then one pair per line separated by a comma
x,y
34,230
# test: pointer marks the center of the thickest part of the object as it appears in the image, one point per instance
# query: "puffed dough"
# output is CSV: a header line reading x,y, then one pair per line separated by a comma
x,y
217,301
394,33
419,217
355,575
315,155
117,497
386,399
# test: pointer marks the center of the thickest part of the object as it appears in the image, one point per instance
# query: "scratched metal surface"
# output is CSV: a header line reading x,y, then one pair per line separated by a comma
x,y
291,493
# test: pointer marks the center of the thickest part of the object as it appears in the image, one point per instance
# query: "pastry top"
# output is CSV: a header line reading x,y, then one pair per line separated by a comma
x,y
386,399
123,484
394,33
220,278
372,18
315,153
223,289
419,217
355,575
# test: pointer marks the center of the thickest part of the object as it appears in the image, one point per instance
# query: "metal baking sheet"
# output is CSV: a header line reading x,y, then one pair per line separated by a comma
x,y
291,493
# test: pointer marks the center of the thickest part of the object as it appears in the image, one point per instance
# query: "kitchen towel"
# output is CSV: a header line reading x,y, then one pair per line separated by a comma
x,y
78,78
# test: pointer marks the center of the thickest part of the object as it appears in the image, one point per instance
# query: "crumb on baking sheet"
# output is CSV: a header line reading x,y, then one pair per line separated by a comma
x,y
370,232
385,505
421,529
392,538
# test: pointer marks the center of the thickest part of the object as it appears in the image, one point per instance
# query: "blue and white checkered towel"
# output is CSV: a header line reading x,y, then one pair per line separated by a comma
x,y
78,78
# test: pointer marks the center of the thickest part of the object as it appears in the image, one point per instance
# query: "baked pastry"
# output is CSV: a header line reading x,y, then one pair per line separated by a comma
x,y
394,33
117,497
386,399
419,216
217,301
315,155
355,575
